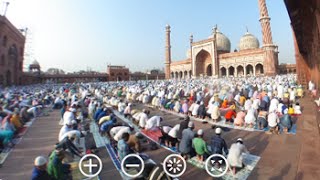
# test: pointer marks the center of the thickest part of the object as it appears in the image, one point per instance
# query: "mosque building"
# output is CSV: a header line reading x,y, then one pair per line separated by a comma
x,y
213,56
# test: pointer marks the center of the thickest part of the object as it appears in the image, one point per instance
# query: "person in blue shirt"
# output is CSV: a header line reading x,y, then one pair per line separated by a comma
x,y
99,110
102,114
123,147
286,123
106,126
39,171
218,144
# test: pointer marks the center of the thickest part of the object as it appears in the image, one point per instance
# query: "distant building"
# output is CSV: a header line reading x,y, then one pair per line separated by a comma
x,y
118,73
11,53
287,68
150,75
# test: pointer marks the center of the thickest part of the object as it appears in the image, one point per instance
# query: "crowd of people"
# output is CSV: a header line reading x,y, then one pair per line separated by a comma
x,y
256,102
68,148
17,108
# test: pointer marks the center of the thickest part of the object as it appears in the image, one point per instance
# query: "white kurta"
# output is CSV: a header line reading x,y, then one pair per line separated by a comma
x,y
68,117
64,129
235,157
153,122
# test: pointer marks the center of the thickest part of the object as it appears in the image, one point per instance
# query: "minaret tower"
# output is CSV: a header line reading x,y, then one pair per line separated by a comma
x,y
168,53
271,55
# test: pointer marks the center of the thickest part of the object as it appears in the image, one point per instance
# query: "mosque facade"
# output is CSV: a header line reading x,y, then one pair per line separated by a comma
x,y
11,53
213,56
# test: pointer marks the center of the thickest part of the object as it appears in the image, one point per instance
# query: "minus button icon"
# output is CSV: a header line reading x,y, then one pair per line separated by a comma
x,y
132,165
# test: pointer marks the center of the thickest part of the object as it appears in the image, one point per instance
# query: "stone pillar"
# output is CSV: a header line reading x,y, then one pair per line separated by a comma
x,y
270,58
227,72
167,53
254,70
235,72
245,70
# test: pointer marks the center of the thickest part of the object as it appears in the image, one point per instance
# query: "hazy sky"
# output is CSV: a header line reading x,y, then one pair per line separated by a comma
x,y
77,34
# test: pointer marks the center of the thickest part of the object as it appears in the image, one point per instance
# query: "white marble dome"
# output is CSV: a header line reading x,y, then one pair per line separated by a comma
x,y
223,42
248,41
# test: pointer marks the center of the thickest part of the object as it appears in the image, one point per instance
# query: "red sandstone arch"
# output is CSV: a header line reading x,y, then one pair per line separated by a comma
x,y
231,71
203,59
223,71
249,69
240,71
8,78
259,69
209,70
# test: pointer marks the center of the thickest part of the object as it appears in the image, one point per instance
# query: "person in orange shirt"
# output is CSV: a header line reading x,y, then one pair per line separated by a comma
x,y
242,100
225,104
230,115
15,120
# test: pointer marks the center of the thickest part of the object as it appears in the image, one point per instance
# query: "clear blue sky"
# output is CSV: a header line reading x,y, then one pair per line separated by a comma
x,y
76,34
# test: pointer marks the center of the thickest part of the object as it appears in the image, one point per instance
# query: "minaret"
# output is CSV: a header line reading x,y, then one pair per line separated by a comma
x,y
215,65
271,55
168,53
191,41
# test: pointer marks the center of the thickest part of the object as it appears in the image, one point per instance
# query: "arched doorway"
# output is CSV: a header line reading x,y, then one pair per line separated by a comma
x,y
259,69
172,75
176,75
231,71
240,71
180,75
186,75
190,74
249,69
223,71
119,78
209,70
203,59
8,78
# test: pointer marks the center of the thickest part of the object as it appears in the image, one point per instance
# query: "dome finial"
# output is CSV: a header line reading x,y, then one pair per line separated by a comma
x,y
215,29
247,29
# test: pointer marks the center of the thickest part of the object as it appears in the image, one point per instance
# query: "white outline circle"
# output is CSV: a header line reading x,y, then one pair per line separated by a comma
x,y
90,175
129,175
208,161
165,168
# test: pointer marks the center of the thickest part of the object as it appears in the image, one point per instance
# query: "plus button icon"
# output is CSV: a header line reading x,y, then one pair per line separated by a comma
x,y
90,165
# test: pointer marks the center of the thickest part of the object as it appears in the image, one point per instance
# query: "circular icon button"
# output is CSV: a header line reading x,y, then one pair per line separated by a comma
x,y
174,165
132,165
90,165
217,165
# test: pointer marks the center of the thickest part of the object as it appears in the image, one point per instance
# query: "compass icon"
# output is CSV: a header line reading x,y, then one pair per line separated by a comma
x,y
174,165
